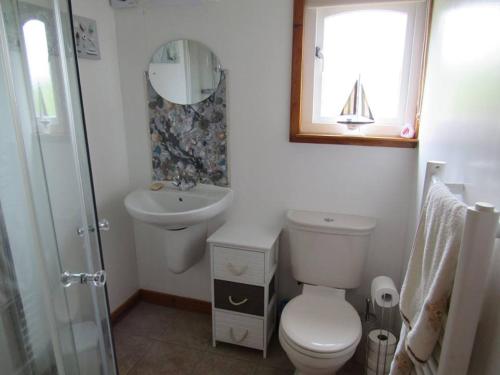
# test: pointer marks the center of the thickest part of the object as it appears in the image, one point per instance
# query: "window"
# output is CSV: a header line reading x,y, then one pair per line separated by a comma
x,y
42,87
353,57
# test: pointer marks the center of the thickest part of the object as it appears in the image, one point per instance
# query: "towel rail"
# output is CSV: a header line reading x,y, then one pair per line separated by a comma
x,y
435,171
481,229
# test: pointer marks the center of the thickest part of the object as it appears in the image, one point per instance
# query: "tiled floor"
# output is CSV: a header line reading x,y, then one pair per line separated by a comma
x,y
156,340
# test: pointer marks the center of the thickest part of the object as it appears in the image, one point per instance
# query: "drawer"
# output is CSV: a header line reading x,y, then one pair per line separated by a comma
x,y
238,265
243,298
240,330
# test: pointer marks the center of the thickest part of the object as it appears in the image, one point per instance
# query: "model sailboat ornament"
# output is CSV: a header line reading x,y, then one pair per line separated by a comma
x,y
356,110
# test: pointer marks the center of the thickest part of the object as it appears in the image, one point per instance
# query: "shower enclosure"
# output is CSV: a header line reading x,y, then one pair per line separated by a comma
x,y
53,301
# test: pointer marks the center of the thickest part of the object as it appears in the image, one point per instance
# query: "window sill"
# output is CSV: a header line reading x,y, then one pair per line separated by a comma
x,y
379,141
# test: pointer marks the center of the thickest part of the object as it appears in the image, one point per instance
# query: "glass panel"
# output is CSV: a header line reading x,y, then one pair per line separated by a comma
x,y
27,311
370,44
37,54
46,196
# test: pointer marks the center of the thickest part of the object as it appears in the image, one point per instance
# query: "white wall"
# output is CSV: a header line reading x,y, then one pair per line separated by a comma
x,y
268,173
461,125
105,126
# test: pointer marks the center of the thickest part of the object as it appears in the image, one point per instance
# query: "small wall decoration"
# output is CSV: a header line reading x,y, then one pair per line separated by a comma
x,y
189,138
86,38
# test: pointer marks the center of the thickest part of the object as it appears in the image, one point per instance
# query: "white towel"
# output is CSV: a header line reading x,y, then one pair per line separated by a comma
x,y
429,279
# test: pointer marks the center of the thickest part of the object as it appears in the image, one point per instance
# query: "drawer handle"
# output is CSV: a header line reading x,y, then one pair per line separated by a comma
x,y
244,300
235,271
231,332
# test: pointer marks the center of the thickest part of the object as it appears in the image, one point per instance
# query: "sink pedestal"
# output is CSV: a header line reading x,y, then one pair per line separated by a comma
x,y
184,247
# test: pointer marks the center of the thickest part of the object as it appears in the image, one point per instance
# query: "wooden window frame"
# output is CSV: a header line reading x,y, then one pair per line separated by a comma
x,y
296,135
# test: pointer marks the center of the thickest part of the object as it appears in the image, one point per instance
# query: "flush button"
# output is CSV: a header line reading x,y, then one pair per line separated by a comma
x,y
329,219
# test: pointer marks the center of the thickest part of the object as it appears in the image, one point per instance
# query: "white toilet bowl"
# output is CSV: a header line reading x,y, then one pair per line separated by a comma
x,y
319,331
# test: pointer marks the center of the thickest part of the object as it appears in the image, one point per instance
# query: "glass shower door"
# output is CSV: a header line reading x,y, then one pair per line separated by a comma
x,y
54,316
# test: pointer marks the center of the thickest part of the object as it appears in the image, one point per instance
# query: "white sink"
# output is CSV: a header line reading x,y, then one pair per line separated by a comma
x,y
182,216
170,208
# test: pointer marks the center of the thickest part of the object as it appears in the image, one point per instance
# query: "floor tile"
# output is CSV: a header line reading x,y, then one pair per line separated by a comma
x,y
215,364
129,350
273,371
351,368
145,320
167,359
193,330
276,357
157,340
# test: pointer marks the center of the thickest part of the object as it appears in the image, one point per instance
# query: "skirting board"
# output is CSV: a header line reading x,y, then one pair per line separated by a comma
x,y
163,299
177,302
125,307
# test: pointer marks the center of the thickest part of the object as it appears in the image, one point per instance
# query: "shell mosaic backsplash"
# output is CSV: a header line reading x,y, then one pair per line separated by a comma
x,y
189,139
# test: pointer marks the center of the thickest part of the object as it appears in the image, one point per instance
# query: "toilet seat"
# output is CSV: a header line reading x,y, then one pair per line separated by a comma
x,y
314,355
320,326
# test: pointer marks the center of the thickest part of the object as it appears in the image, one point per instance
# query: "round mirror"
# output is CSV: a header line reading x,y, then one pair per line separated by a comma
x,y
184,71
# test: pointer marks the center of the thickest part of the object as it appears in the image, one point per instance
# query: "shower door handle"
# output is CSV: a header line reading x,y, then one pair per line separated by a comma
x,y
103,225
97,279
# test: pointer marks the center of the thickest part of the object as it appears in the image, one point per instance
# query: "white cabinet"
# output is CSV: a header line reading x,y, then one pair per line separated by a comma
x,y
244,260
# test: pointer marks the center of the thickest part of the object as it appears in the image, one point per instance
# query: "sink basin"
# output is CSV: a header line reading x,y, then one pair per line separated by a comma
x,y
170,208
183,216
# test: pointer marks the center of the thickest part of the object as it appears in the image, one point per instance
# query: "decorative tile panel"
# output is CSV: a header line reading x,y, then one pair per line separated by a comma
x,y
189,138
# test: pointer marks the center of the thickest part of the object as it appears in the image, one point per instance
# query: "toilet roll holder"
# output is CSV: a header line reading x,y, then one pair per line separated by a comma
x,y
379,354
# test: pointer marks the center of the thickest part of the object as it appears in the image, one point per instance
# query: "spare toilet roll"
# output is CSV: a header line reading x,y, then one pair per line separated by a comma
x,y
384,292
381,356
384,362
381,369
383,338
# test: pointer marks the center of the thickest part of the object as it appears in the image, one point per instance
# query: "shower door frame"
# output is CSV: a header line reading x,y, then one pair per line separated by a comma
x,y
6,66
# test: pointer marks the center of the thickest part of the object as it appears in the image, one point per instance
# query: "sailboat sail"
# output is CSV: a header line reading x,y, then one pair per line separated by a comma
x,y
356,110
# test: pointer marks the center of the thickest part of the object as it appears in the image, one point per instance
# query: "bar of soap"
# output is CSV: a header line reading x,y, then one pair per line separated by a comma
x,y
156,186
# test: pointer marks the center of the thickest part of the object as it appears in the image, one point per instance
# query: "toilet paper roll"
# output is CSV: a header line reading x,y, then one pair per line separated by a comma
x,y
383,338
384,292
381,355
384,362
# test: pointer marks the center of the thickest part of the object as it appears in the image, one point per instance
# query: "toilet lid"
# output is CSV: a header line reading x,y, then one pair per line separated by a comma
x,y
321,324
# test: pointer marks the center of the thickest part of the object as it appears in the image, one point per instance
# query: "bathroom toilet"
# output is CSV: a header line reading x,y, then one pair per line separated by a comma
x,y
319,330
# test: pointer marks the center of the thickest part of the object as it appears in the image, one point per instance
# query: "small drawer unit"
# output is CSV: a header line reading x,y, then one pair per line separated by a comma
x,y
244,260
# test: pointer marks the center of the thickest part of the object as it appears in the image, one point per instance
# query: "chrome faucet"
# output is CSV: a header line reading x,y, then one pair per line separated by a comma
x,y
184,181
